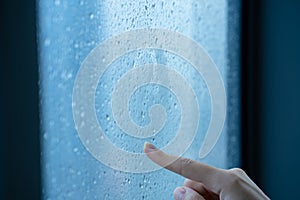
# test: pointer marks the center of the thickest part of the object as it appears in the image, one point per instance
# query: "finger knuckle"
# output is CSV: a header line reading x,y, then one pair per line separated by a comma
x,y
235,179
237,171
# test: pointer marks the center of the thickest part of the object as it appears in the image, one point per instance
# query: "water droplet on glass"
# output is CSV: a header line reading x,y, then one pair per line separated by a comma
x,y
47,42
75,150
57,2
51,123
82,124
142,115
141,186
68,28
82,114
92,16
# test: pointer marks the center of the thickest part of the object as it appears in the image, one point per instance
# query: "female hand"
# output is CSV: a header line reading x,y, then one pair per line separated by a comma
x,y
205,182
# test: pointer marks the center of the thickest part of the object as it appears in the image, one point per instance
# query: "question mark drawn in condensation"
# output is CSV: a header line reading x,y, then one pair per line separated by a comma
x,y
93,67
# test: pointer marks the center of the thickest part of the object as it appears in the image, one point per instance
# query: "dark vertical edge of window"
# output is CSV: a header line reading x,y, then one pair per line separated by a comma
x,y
233,83
20,139
280,97
250,85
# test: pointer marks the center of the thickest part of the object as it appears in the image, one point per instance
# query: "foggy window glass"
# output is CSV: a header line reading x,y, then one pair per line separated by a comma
x,y
158,84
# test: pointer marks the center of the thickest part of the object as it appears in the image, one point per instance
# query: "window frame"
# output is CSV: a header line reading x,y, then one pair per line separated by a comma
x,y
20,128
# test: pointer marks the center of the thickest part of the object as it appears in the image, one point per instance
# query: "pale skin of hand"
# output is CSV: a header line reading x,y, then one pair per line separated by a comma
x,y
205,182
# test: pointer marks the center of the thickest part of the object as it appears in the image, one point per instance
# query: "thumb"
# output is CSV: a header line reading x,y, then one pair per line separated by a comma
x,y
185,193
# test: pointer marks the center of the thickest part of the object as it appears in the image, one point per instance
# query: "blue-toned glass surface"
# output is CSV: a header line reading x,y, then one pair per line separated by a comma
x,y
69,31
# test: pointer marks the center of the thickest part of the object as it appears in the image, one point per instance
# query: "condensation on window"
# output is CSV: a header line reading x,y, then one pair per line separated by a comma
x,y
69,30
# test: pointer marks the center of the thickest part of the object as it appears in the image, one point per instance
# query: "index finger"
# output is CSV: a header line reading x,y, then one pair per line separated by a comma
x,y
213,178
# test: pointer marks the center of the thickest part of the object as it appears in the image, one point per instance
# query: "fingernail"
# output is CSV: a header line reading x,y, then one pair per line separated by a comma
x,y
149,147
180,193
